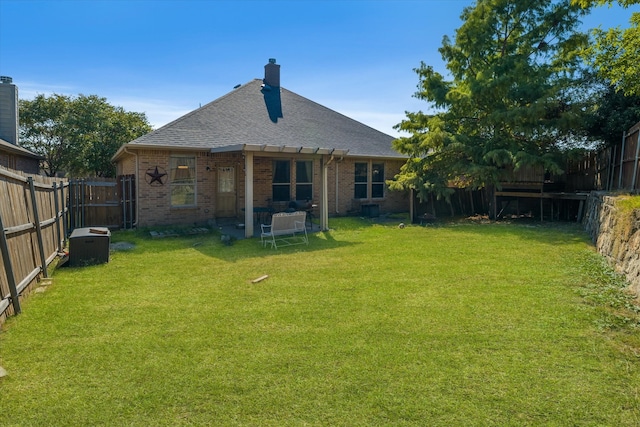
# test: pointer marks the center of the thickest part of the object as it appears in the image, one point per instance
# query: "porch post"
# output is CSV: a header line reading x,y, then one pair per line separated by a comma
x,y
324,196
248,194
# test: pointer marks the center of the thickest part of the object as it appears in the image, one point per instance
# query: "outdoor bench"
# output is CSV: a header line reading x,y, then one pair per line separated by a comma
x,y
286,228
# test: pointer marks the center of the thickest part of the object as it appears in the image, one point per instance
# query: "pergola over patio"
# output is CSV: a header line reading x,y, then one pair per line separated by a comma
x,y
326,156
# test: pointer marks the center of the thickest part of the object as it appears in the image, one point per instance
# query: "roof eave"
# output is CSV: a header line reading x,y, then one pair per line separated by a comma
x,y
123,149
16,149
266,148
376,156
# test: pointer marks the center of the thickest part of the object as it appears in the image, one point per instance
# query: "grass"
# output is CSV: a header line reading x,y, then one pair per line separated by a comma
x,y
629,203
459,324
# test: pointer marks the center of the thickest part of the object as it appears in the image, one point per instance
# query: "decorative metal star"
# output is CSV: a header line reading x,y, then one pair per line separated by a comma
x,y
156,176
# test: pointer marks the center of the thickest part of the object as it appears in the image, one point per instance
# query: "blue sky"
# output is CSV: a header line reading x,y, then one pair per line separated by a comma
x,y
166,58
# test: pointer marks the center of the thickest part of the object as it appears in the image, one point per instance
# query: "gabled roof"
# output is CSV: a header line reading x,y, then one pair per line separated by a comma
x,y
16,149
255,115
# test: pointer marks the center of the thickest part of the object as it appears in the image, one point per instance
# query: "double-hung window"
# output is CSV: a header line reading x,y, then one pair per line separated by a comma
x,y
281,183
182,173
377,180
368,180
361,174
304,180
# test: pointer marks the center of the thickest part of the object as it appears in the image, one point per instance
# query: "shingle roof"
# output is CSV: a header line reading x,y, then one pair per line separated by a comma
x,y
16,149
273,116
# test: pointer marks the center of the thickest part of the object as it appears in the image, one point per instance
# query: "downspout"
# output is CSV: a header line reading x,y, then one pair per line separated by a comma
x,y
324,198
338,184
331,159
135,224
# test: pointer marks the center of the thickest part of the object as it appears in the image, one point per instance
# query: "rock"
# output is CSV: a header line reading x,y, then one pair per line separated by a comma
x,y
122,246
617,239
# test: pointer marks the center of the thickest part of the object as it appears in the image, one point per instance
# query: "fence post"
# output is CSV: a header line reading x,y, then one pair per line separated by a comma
x,y
36,217
612,167
56,205
82,202
635,163
8,268
70,207
65,211
123,204
131,183
73,204
624,140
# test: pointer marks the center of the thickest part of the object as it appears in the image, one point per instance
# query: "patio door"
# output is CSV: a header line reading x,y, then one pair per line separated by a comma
x,y
226,192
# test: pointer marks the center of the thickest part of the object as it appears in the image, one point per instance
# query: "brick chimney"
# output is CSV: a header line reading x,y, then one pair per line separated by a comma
x,y
272,73
8,110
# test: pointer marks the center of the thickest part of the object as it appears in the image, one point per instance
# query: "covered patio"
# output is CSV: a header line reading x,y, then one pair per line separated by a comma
x,y
326,157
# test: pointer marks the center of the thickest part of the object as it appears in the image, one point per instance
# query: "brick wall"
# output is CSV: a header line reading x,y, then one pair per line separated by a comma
x,y
391,202
262,177
154,200
20,163
126,166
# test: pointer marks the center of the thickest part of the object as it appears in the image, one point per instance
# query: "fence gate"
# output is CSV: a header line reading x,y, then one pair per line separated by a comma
x,y
127,186
102,203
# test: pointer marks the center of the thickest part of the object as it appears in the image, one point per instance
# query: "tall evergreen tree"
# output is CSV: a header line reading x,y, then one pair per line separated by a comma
x,y
509,102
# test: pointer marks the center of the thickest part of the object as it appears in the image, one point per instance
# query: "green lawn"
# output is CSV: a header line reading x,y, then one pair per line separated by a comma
x,y
454,325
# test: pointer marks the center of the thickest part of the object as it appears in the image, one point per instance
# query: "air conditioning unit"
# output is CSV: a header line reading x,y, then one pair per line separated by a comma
x,y
89,246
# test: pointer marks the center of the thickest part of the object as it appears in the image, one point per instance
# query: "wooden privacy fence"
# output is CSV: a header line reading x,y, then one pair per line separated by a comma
x,y
617,167
102,203
32,232
581,174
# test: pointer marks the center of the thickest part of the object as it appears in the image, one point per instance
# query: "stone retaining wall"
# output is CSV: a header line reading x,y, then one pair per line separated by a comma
x,y
616,235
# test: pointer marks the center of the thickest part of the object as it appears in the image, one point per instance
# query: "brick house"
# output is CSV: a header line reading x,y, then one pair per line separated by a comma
x,y
260,147
12,155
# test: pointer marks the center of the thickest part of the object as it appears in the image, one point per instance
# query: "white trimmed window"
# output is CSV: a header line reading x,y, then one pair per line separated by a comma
x,y
182,175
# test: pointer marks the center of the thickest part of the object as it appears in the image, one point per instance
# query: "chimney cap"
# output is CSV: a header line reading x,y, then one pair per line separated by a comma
x,y
272,60
6,79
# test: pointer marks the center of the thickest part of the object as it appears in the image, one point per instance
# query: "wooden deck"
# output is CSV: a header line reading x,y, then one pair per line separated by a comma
x,y
536,190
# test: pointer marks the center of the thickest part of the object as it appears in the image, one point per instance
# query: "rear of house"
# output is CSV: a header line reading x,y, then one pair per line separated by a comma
x,y
258,148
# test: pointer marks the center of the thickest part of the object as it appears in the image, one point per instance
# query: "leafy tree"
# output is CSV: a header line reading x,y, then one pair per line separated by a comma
x,y
117,128
611,113
42,131
613,57
510,101
615,52
78,135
